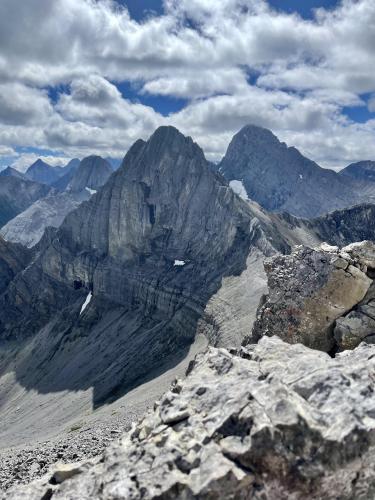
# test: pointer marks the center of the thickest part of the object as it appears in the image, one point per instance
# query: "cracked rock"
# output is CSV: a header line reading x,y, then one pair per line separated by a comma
x,y
280,422
308,291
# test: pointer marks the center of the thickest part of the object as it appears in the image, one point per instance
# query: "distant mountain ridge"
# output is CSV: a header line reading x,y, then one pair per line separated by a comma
x,y
12,172
361,170
280,178
81,181
17,194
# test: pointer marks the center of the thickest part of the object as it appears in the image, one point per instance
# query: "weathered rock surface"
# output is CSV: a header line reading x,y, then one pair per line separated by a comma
x,y
13,259
275,422
309,290
281,179
165,204
69,170
16,195
28,227
361,170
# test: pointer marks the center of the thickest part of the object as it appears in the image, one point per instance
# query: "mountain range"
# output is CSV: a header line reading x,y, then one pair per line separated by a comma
x,y
163,259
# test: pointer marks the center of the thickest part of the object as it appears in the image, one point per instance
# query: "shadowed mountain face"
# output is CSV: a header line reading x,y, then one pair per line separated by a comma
x,y
16,195
281,179
67,175
362,171
92,173
41,172
12,172
152,246
13,259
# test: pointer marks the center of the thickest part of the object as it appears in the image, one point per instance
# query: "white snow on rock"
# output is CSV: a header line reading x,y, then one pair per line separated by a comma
x,y
179,263
91,191
239,189
86,303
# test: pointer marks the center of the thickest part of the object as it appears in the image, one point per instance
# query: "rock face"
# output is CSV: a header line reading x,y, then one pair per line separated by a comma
x,y
81,182
13,259
281,179
16,195
362,170
43,173
164,205
69,170
309,290
92,173
272,422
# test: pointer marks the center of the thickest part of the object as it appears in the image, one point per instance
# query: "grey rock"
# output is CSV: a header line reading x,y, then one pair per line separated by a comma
x,y
280,178
93,172
13,259
69,170
272,422
16,195
308,291
361,170
164,204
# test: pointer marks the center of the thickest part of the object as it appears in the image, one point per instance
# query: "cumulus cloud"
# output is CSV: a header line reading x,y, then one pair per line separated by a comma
x,y
234,61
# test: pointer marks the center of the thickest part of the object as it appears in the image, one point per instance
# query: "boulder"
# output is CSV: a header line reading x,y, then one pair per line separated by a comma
x,y
308,291
273,421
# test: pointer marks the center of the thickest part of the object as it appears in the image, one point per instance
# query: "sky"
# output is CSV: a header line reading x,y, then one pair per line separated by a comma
x,y
80,77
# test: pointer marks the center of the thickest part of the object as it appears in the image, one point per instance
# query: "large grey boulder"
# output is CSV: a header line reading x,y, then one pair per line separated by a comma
x,y
272,422
308,291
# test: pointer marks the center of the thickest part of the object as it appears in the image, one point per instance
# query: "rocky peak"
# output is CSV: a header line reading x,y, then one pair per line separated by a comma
x,y
91,174
362,170
281,179
42,172
151,247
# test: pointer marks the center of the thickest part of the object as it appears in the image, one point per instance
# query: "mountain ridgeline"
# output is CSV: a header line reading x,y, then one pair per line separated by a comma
x,y
281,179
131,279
77,185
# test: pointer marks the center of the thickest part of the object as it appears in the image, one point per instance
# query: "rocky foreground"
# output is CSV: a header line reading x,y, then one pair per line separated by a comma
x,y
271,421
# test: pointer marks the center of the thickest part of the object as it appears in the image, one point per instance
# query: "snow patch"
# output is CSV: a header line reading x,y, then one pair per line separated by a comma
x,y
179,263
86,303
91,191
301,176
239,189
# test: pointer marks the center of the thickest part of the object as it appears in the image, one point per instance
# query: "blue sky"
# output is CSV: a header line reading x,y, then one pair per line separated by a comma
x,y
82,77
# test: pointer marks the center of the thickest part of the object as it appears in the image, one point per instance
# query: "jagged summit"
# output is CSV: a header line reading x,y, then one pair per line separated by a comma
x,y
362,170
280,178
12,172
42,172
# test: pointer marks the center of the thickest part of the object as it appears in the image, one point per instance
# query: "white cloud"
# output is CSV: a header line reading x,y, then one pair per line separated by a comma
x,y
302,74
